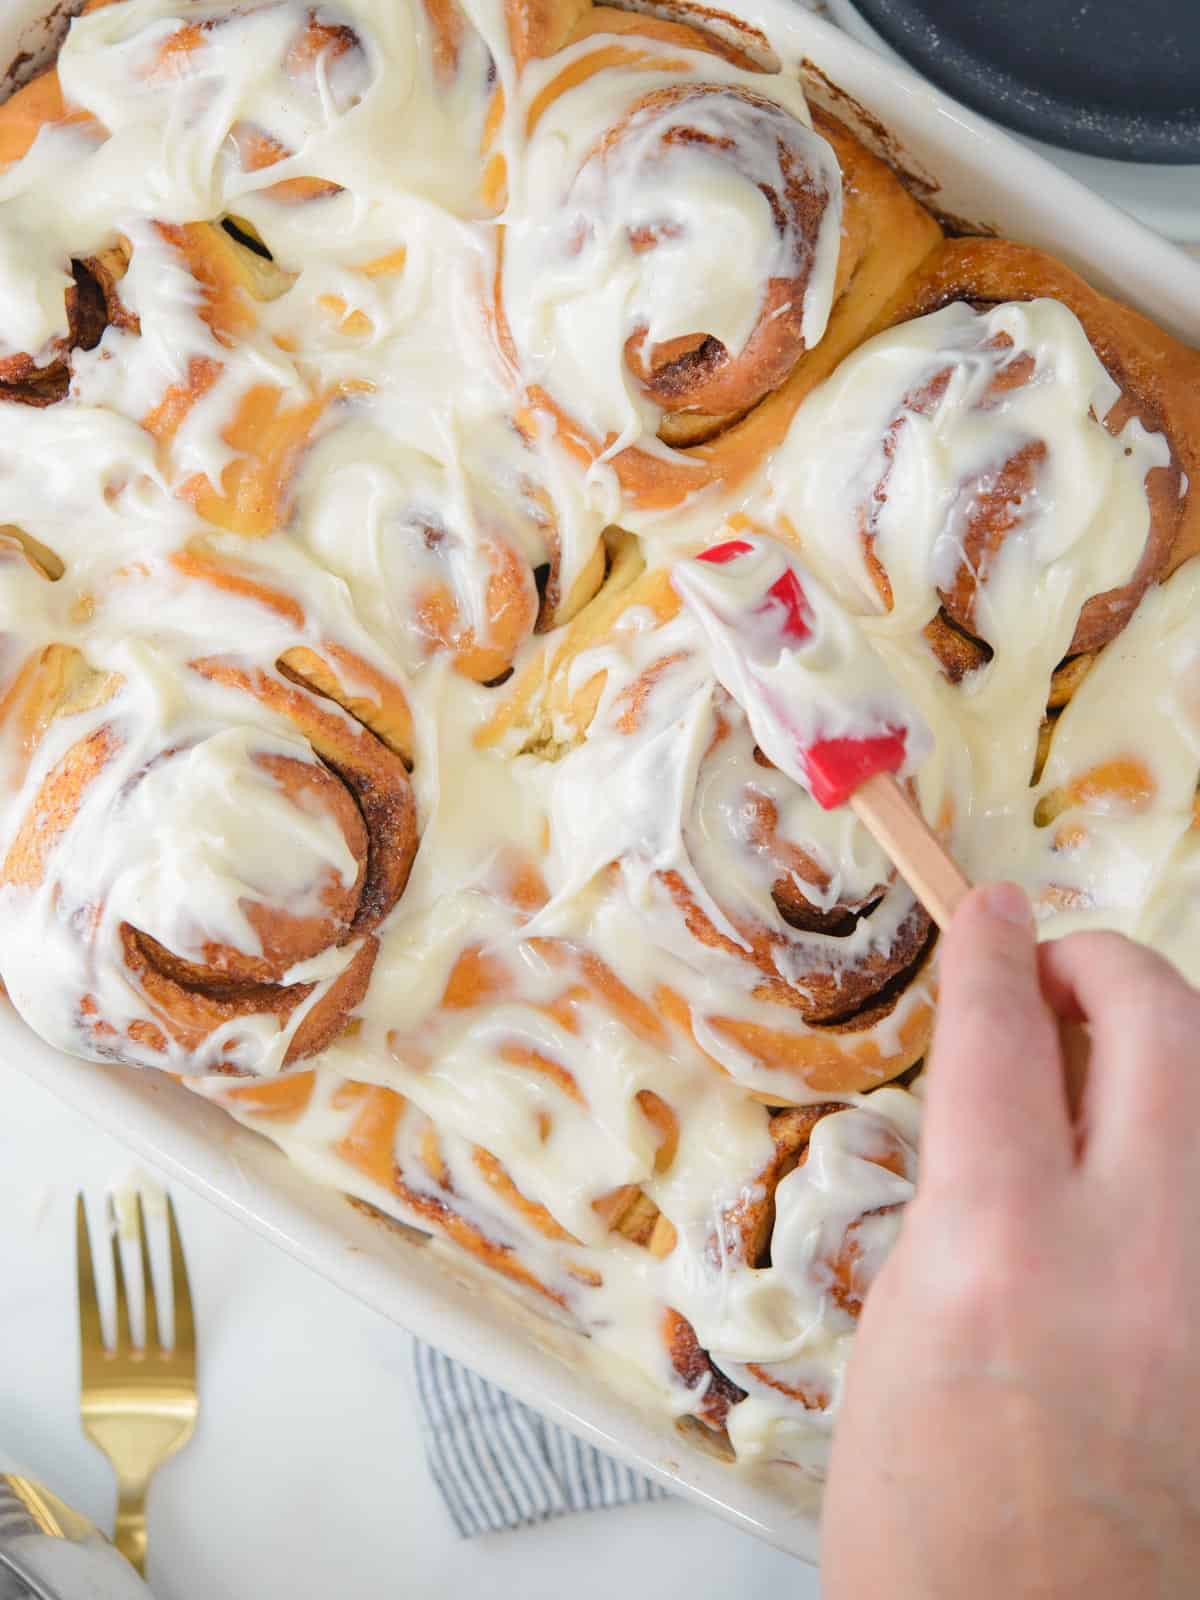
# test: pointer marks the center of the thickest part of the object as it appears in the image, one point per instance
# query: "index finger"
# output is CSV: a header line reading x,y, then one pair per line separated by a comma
x,y
1143,1091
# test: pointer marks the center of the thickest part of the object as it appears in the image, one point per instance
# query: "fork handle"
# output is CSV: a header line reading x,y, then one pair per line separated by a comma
x,y
129,1535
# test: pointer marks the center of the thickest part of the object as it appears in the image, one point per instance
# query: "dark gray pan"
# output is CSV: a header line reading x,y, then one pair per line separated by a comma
x,y
1116,78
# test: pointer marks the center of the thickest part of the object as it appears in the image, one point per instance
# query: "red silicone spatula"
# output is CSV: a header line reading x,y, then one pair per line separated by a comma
x,y
822,709
769,616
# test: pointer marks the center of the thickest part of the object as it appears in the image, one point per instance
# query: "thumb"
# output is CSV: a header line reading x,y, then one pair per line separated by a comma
x,y
995,1103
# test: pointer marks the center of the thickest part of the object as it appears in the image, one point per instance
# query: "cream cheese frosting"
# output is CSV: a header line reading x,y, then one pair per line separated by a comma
x,y
413,511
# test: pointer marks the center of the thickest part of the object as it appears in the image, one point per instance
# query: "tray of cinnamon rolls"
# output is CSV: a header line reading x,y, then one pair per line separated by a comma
x,y
367,370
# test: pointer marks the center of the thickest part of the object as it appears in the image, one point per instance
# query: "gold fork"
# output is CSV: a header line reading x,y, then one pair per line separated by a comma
x,y
138,1404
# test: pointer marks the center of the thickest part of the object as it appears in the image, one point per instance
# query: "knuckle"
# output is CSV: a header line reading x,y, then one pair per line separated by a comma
x,y
975,1305
982,1261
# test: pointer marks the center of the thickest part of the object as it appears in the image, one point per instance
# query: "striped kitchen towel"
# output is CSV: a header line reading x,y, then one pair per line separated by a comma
x,y
499,1465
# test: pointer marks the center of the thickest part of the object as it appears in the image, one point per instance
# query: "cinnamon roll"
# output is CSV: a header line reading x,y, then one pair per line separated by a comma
x,y
388,1150
1152,385
650,149
321,65
811,1238
201,848
272,414
837,1214
979,477
444,1182
1048,462
444,570
70,298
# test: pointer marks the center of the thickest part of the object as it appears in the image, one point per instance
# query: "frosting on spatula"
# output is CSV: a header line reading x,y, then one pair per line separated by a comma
x,y
819,699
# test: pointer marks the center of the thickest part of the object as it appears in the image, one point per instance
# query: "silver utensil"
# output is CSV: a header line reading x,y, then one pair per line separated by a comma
x,y
48,1551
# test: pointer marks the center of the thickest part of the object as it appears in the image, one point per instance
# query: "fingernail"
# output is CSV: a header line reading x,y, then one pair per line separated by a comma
x,y
1009,903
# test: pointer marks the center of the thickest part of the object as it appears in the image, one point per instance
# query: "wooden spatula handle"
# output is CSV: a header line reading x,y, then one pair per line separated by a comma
x,y
892,820
939,883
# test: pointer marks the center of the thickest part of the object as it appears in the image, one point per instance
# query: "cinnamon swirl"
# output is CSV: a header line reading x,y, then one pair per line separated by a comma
x,y
652,152
800,961
205,876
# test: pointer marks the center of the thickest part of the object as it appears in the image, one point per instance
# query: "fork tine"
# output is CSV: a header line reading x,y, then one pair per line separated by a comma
x,y
151,1304
124,1339
90,1335
138,1411
184,1333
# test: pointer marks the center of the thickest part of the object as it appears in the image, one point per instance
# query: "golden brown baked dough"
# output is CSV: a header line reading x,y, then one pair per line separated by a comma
x,y
353,777
724,413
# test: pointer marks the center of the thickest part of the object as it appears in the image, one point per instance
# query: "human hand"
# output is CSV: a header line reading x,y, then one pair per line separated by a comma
x,y
1022,1410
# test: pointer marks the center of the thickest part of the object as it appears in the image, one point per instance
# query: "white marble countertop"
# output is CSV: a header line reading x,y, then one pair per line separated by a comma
x,y
306,1476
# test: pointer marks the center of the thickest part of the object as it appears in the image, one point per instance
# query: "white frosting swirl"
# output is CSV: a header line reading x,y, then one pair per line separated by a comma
x,y
910,432
635,193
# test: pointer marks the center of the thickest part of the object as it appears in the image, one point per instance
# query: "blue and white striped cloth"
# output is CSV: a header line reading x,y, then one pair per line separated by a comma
x,y
499,1465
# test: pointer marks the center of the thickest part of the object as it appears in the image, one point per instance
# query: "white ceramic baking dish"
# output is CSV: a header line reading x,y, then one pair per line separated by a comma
x,y
973,171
